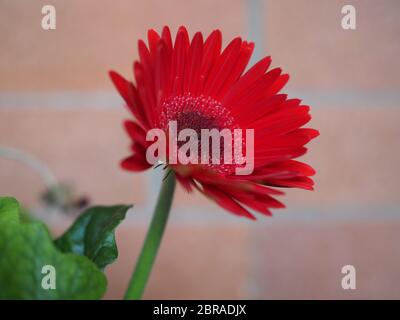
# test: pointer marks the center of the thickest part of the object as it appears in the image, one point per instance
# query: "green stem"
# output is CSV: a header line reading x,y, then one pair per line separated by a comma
x,y
152,242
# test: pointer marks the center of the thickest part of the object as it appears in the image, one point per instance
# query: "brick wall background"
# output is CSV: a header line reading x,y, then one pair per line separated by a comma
x,y
57,103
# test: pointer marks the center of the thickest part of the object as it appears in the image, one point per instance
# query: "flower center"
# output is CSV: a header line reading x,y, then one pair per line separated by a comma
x,y
197,113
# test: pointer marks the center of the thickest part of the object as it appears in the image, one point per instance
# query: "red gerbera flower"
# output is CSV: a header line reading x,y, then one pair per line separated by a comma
x,y
200,87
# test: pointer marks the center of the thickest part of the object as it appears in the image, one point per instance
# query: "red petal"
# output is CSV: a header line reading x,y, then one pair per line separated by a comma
x,y
222,67
258,91
134,163
243,84
153,38
212,49
179,60
311,133
186,182
166,36
226,202
129,94
123,86
145,91
237,68
297,182
162,72
136,133
195,56
260,111
282,122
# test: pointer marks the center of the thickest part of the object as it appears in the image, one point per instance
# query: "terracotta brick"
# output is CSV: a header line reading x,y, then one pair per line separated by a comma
x,y
265,261
91,39
356,156
306,39
82,147
194,262
18,180
305,261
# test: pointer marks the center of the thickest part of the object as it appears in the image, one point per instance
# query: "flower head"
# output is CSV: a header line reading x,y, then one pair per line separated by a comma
x,y
197,85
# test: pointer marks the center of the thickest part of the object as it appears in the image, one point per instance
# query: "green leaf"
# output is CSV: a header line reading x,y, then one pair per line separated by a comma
x,y
26,248
93,234
9,210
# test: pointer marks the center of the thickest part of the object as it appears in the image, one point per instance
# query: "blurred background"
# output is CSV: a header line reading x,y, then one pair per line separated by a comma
x,y
60,114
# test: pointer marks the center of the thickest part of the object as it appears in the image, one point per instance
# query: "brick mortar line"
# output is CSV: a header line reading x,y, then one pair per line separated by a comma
x,y
256,20
188,215
110,99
